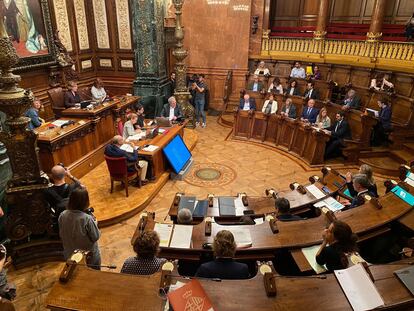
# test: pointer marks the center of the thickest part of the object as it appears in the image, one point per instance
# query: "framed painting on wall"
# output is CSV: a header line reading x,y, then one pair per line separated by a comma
x,y
28,25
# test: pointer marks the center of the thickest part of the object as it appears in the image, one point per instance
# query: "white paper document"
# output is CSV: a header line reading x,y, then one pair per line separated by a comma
x,y
310,255
150,148
330,203
409,181
59,123
239,207
242,237
181,237
315,191
164,231
375,112
127,148
358,288
136,137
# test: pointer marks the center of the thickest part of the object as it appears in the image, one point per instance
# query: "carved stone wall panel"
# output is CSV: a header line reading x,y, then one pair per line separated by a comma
x,y
105,62
101,24
124,25
62,22
86,64
82,27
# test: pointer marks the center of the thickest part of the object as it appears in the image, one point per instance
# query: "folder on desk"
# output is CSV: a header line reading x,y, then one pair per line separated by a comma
x,y
403,195
201,208
191,296
226,206
187,202
406,276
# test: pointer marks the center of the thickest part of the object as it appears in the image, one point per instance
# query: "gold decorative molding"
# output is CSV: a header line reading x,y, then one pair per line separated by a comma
x,y
101,24
62,22
373,36
124,25
319,35
81,24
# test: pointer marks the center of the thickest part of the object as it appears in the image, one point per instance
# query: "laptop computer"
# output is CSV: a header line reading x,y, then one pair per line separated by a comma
x,y
85,103
226,206
406,276
163,122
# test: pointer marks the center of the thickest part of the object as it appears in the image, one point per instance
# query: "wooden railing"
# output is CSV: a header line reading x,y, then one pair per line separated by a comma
x,y
389,55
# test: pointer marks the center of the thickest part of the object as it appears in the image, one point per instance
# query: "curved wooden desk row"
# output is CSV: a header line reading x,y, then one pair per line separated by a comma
x,y
260,206
89,289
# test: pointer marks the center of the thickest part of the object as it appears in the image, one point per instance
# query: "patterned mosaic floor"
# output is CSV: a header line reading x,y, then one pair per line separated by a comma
x,y
210,174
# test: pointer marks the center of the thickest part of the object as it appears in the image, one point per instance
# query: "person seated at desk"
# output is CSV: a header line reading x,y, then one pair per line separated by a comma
x,y
310,113
129,126
352,101
289,109
275,87
381,83
146,261
270,105
172,110
292,89
298,71
316,73
282,206
78,229
339,131
379,134
262,70
310,92
141,117
255,85
33,114
114,150
322,120
361,185
338,242
223,267
366,170
71,96
98,91
184,217
247,103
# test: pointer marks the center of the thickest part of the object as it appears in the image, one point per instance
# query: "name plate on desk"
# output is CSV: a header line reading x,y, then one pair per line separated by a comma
x,y
403,195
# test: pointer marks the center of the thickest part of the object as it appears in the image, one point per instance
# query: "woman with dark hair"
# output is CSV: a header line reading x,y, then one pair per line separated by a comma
x,y
141,116
275,87
78,229
145,262
293,88
223,267
338,242
98,92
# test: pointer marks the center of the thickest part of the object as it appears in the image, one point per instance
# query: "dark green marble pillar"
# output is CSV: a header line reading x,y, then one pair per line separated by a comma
x,y
151,80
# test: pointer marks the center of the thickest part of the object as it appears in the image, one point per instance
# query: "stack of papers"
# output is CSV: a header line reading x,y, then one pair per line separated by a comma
x,y
358,288
315,191
181,237
127,148
59,123
330,203
150,148
310,255
136,137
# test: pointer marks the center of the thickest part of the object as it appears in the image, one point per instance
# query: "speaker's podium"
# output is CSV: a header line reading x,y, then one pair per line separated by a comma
x,y
179,157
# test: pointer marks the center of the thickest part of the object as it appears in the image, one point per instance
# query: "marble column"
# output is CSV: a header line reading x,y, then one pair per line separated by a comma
x,y
323,18
377,20
151,81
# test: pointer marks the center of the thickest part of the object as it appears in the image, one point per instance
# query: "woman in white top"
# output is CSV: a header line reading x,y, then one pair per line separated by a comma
x,y
270,105
262,70
275,86
98,92
129,129
322,120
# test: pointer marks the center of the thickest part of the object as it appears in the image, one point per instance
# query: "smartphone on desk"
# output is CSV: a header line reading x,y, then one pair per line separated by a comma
x,y
326,189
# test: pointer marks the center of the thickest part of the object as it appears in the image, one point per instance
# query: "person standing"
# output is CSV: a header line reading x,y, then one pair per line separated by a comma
x,y
78,229
200,99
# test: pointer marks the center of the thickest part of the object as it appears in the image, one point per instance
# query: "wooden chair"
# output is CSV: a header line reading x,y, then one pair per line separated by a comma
x,y
118,171
6,305
56,97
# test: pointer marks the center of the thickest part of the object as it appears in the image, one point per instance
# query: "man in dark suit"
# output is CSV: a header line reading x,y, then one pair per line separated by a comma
x,y
223,267
352,101
361,185
282,206
71,96
247,103
289,109
255,85
383,125
171,110
310,92
310,113
339,131
114,150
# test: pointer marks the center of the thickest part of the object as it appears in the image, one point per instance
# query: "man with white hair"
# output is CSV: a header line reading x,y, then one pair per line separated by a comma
x,y
171,110
114,150
352,101
184,217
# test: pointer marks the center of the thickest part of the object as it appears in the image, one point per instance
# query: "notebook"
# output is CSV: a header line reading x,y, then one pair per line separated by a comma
x,y
406,276
226,206
201,208
403,195
187,202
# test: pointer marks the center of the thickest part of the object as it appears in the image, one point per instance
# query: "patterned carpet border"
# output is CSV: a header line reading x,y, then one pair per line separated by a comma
x,y
210,175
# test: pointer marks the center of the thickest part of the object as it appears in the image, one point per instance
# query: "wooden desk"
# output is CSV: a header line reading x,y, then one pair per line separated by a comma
x,y
95,290
67,145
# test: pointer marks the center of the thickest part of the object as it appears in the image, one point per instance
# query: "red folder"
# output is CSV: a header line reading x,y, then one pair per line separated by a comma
x,y
190,297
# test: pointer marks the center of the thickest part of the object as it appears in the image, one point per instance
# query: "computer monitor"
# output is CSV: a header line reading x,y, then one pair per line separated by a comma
x,y
177,153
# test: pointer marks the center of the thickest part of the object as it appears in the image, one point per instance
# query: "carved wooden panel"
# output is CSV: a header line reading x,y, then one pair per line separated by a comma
x,y
81,25
124,25
62,23
101,24
350,8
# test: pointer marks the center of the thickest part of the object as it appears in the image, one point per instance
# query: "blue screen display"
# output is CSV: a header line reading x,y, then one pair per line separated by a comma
x,y
403,195
177,153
